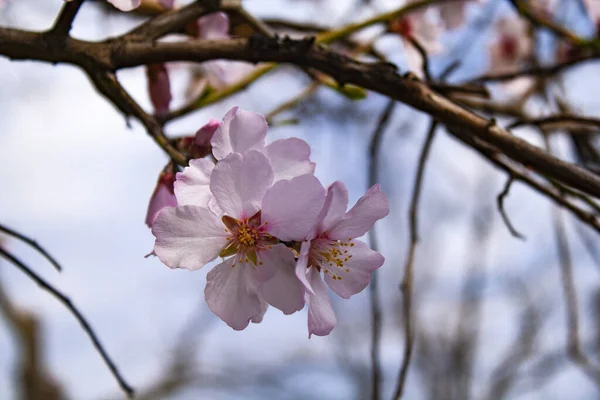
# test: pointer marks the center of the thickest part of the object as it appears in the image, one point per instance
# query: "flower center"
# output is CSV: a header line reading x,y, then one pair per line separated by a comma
x,y
331,256
247,237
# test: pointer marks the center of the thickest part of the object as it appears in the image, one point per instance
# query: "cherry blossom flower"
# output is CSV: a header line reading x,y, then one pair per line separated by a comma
x,y
417,26
159,88
593,9
512,48
331,248
252,216
241,131
163,196
215,74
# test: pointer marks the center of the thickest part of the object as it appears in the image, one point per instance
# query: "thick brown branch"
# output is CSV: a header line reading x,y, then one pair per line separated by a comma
x,y
378,77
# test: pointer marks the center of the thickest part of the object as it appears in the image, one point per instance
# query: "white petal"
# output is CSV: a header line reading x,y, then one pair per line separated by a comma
x,y
335,206
321,317
188,236
240,130
290,158
283,291
231,294
239,183
290,208
192,185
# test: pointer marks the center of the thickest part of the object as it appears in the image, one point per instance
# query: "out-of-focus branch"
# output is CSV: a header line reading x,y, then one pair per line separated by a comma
x,y
560,121
35,382
407,280
500,202
376,139
33,244
76,313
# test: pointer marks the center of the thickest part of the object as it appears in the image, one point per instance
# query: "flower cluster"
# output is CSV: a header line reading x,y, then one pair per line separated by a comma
x,y
278,230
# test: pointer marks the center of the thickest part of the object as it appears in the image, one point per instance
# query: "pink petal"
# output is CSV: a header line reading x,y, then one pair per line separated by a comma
x,y
321,317
167,4
239,183
230,293
240,130
125,5
162,197
188,237
257,319
283,291
360,266
290,158
192,185
335,206
367,210
159,88
302,265
453,14
291,207
213,26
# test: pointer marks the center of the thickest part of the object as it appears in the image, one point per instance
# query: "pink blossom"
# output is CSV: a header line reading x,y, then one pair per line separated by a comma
x,y
511,49
248,218
163,195
416,25
159,88
167,4
593,9
241,131
216,74
331,247
244,130
512,45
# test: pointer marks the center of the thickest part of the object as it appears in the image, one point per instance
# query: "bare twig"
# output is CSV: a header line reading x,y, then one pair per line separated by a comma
x,y
374,147
560,121
65,19
78,315
407,281
500,202
33,244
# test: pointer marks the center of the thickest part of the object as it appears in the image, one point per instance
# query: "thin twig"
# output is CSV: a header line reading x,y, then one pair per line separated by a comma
x,y
558,121
33,244
64,21
78,315
374,147
424,58
407,281
305,93
500,202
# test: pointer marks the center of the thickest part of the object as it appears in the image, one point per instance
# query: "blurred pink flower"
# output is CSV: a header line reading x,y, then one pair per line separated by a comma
x,y
593,9
159,88
417,26
331,247
512,46
251,214
163,195
219,73
167,4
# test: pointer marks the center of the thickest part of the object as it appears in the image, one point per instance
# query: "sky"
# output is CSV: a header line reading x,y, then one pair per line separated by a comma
x,y
78,180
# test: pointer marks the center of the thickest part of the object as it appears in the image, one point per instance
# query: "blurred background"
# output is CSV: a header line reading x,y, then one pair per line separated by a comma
x,y
490,318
